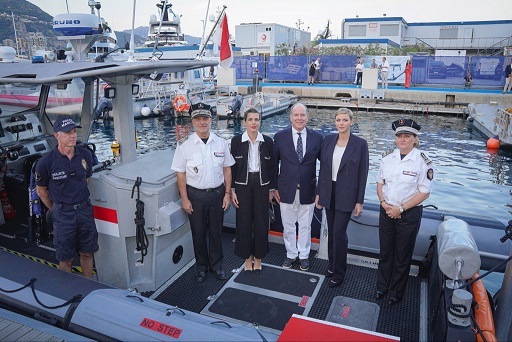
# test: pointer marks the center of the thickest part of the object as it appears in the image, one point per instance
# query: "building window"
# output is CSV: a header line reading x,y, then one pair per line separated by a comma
x,y
389,30
449,33
268,29
357,31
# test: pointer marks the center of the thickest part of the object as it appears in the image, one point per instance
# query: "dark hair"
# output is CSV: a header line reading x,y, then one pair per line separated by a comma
x,y
251,110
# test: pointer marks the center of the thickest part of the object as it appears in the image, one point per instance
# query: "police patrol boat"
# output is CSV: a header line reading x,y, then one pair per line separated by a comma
x,y
145,244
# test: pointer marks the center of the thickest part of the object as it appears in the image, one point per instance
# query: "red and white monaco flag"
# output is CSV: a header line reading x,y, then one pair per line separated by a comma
x,y
222,38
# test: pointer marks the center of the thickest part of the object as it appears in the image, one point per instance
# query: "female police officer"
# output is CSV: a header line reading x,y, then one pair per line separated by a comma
x,y
404,181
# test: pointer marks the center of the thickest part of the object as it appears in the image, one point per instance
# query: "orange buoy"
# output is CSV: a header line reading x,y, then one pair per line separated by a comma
x,y
180,103
493,143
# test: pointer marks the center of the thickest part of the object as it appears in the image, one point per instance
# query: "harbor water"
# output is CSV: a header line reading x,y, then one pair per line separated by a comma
x,y
468,178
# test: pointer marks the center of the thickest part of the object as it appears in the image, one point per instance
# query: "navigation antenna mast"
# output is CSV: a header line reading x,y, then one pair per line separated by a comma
x,y
15,35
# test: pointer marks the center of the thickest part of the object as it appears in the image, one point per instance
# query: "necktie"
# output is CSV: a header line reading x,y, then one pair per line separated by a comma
x,y
299,148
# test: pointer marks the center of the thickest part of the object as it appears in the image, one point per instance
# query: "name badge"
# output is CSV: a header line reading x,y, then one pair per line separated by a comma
x,y
219,154
410,173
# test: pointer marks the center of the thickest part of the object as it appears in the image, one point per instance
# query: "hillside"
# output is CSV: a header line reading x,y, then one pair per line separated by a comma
x,y
28,18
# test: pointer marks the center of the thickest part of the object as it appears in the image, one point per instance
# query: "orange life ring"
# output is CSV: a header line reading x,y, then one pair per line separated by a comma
x,y
483,312
180,103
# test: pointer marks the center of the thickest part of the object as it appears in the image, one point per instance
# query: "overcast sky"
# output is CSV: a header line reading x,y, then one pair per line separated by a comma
x,y
313,15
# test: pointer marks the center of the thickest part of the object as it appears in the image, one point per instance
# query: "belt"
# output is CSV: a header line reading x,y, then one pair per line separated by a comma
x,y
72,206
206,190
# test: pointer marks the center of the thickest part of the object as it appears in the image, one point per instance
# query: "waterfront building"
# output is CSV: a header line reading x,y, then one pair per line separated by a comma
x,y
269,39
468,37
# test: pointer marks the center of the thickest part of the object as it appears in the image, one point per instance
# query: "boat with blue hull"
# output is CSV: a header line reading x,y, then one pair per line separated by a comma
x,y
246,307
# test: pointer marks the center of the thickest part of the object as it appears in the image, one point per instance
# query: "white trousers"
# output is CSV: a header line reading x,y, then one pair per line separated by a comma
x,y
384,77
508,85
302,214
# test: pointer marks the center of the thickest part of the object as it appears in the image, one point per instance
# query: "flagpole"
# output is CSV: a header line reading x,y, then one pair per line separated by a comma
x,y
205,42
205,21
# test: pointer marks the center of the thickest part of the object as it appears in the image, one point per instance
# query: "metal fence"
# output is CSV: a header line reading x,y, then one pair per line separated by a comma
x,y
487,71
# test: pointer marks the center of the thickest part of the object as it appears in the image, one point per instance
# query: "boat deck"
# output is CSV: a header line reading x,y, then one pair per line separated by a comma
x,y
401,320
14,327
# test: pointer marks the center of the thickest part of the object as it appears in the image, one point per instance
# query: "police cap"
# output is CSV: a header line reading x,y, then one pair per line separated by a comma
x,y
64,125
201,110
406,126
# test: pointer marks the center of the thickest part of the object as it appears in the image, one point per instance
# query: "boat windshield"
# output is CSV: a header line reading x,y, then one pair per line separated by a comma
x,y
66,100
63,99
17,97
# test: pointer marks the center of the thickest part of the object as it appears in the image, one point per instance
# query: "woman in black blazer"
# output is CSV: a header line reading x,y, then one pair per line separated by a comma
x,y
341,186
252,190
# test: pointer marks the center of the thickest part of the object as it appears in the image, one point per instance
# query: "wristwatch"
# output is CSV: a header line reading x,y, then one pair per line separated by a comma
x,y
401,209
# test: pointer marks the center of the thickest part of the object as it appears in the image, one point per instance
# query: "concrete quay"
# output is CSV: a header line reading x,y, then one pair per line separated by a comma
x,y
421,100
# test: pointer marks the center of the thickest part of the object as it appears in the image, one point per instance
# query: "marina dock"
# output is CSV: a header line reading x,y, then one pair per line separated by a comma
x,y
415,100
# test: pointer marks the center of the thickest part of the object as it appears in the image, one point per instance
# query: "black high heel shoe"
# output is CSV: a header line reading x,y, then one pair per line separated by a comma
x,y
380,294
334,284
394,300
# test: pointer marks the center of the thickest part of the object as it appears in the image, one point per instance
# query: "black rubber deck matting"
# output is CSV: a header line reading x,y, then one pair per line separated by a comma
x,y
266,311
290,282
400,320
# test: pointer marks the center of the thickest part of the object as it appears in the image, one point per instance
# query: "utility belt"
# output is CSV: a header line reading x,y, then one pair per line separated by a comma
x,y
65,206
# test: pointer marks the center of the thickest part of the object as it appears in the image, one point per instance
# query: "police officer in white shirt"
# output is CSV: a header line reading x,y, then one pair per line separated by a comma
x,y
203,165
404,181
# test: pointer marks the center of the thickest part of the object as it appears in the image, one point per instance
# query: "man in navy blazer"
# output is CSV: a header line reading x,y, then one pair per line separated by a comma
x,y
296,151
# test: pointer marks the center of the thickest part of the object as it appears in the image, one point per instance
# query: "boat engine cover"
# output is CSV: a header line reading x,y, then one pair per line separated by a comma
x,y
455,242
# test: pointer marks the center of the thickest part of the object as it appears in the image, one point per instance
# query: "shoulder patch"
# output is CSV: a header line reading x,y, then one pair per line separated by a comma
x,y
430,174
387,152
425,158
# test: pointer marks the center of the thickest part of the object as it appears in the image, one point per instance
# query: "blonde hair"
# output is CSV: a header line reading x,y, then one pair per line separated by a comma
x,y
345,111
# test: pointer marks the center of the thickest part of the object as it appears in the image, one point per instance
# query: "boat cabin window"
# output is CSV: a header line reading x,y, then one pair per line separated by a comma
x,y
66,102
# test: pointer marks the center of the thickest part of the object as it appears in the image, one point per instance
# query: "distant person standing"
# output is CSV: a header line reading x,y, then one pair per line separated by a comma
x,y
311,73
404,181
318,65
508,78
252,190
468,80
358,60
341,186
203,166
374,64
61,179
408,73
296,151
359,73
384,68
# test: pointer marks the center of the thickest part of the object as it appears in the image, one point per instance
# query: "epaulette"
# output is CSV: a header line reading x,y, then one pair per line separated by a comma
x,y
425,158
182,140
388,152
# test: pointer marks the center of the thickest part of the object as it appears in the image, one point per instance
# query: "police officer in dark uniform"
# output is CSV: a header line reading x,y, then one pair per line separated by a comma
x,y
404,181
61,178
